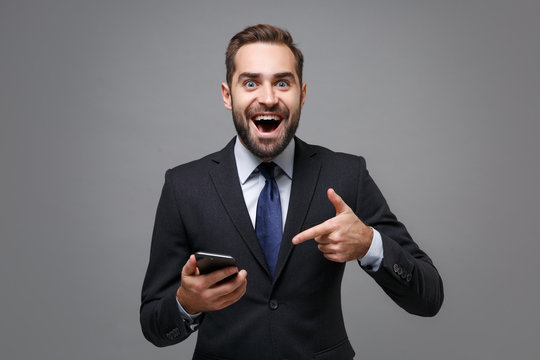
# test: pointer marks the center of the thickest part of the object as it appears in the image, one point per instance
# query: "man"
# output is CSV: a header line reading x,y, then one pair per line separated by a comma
x,y
291,214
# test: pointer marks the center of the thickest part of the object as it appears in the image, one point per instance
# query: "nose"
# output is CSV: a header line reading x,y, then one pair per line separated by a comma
x,y
268,96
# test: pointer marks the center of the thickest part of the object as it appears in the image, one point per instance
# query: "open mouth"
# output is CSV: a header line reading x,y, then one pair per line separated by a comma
x,y
267,123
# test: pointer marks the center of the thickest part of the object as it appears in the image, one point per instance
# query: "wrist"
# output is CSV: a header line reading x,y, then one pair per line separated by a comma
x,y
181,298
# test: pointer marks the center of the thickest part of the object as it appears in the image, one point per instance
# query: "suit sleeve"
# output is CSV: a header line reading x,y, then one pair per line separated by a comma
x,y
161,321
406,273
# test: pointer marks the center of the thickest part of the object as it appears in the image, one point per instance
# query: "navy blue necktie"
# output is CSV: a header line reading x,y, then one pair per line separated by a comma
x,y
268,222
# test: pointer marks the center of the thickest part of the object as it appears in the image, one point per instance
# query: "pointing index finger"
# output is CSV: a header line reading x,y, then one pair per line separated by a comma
x,y
311,233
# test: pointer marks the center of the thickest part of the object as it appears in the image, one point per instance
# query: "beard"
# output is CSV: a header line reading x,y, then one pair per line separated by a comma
x,y
266,148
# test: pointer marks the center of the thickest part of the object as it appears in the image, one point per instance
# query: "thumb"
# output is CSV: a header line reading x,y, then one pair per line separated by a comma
x,y
337,201
190,268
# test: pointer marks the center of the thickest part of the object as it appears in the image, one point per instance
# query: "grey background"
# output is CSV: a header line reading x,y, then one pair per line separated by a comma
x,y
99,98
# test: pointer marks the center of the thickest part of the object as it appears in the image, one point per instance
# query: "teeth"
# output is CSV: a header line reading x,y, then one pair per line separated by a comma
x,y
267,117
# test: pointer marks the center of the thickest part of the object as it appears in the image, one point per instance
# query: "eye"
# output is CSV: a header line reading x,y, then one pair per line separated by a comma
x,y
250,84
282,84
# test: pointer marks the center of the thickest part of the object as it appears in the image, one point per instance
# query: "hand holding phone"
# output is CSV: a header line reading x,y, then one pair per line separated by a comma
x,y
198,293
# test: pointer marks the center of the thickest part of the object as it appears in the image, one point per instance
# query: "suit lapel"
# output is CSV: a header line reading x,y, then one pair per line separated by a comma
x,y
225,178
305,176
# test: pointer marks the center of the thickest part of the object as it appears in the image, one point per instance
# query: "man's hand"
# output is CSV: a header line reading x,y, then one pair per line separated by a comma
x,y
342,238
201,293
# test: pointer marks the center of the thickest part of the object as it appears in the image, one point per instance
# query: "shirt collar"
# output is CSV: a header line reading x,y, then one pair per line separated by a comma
x,y
246,162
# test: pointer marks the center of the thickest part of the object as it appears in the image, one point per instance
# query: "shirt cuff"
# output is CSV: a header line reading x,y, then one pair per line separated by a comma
x,y
191,319
373,258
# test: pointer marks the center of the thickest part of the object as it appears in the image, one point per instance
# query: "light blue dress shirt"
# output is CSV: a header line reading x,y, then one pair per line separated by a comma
x,y
252,181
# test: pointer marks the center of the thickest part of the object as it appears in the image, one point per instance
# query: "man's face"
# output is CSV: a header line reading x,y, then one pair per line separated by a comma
x,y
265,97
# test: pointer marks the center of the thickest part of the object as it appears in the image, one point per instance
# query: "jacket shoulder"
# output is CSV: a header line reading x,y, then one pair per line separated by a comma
x,y
331,157
197,169
192,167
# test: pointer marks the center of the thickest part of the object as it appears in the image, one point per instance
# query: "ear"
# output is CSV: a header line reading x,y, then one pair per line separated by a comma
x,y
226,95
303,94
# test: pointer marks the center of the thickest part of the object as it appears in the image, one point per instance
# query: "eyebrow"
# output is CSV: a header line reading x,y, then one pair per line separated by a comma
x,y
249,75
284,75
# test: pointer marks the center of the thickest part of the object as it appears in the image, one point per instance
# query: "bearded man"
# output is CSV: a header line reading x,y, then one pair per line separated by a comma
x,y
290,213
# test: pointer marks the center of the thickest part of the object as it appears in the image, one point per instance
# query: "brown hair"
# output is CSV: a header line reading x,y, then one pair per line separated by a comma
x,y
261,33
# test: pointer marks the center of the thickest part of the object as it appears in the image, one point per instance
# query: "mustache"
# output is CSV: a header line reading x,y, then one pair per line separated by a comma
x,y
278,109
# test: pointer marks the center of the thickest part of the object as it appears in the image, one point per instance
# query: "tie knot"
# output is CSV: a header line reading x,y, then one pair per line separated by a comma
x,y
267,169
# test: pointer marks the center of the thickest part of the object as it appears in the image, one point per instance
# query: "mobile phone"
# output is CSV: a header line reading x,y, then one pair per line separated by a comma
x,y
208,262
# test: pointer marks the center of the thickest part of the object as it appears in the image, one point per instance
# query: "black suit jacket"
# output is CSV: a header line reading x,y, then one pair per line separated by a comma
x,y
297,314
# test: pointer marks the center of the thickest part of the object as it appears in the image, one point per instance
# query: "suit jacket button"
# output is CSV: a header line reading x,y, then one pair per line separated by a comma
x,y
409,277
396,268
273,304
